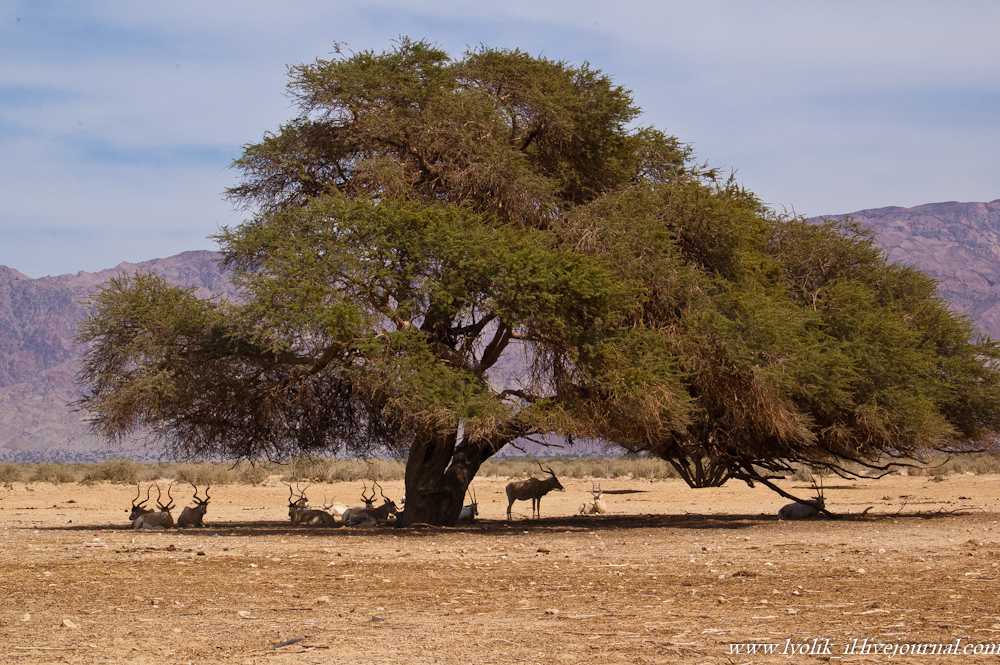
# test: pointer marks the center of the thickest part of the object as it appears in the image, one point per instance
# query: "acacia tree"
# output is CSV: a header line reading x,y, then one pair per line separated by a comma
x,y
444,255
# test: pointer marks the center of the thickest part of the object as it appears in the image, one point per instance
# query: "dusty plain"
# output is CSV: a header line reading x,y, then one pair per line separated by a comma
x,y
670,575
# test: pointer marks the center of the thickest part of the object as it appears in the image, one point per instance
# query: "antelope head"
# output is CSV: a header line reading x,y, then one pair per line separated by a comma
x,y
368,499
159,504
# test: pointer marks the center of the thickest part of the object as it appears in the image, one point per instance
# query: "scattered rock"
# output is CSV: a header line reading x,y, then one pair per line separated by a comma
x,y
69,624
553,611
544,550
322,600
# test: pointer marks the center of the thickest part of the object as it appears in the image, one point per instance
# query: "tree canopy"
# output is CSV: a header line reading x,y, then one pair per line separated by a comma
x,y
445,255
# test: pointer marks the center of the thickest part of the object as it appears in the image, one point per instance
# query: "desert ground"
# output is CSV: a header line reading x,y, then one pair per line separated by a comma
x,y
670,575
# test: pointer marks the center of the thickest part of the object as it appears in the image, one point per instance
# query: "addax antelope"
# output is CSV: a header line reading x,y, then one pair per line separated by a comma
x,y
194,516
300,513
140,508
469,511
596,505
533,489
805,508
159,518
369,514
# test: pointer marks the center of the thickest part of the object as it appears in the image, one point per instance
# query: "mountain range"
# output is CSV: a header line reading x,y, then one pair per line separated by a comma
x,y
958,243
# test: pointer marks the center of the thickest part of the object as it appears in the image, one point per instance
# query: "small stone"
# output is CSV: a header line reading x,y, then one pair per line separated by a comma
x,y
323,600
861,571
544,550
26,617
553,611
431,573
69,624
332,563
244,614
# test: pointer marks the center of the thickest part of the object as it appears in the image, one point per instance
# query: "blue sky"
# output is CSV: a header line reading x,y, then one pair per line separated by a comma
x,y
118,120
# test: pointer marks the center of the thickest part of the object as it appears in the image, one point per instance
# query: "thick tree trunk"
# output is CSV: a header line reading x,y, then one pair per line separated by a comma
x,y
438,473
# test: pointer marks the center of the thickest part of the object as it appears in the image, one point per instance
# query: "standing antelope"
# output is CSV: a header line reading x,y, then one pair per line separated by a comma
x,y
533,489
140,509
160,518
194,516
805,508
470,511
300,513
596,504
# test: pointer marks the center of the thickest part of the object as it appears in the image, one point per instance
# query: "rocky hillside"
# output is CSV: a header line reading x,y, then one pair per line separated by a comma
x,y
958,243
38,357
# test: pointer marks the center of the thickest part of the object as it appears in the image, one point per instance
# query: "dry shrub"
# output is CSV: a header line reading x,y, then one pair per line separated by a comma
x,y
204,473
116,471
54,472
10,473
250,473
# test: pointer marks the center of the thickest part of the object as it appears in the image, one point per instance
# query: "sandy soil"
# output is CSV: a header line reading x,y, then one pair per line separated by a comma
x,y
672,575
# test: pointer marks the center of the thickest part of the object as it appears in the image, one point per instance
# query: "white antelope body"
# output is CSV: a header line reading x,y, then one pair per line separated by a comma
x,y
801,510
533,489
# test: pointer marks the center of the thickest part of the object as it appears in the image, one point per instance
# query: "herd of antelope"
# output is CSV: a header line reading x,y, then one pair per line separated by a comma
x,y
335,514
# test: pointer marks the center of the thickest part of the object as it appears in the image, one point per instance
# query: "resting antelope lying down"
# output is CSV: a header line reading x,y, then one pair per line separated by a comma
x,y
159,519
369,514
194,516
803,509
300,513
596,505
140,508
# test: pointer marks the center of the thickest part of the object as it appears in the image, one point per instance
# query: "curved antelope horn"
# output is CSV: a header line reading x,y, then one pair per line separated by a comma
x,y
195,490
290,502
138,491
474,499
549,470
159,495
379,490
364,498
171,504
206,493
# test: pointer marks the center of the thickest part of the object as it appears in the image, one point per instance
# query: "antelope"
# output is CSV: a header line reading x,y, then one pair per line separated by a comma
x,y
470,511
802,509
335,508
596,505
140,509
348,514
369,514
194,516
533,489
300,513
160,518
